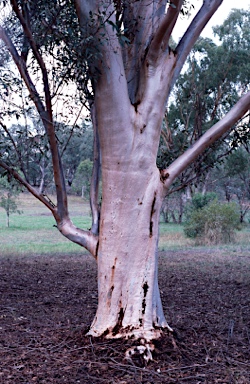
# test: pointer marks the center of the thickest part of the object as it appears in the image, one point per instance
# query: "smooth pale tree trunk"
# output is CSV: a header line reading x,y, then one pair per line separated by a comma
x,y
128,295
129,300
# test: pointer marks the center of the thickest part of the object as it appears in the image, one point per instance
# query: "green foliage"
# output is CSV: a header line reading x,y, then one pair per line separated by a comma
x,y
77,146
236,179
27,147
204,93
231,180
82,180
238,163
192,211
8,203
8,194
213,223
200,200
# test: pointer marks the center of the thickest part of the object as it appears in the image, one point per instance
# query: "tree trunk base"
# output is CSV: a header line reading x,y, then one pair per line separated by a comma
x,y
131,332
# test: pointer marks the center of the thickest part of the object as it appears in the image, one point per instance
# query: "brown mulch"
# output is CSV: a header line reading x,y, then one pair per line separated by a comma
x,y
46,305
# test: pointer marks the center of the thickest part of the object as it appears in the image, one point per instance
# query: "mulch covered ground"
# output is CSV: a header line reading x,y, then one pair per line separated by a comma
x,y
46,305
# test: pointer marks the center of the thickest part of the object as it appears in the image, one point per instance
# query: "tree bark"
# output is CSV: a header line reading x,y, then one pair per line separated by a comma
x,y
129,300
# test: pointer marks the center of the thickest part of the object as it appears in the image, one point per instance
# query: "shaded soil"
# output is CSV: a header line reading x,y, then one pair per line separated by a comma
x,y
46,305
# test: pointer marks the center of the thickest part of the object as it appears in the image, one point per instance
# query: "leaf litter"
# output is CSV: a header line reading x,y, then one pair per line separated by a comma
x,y
47,304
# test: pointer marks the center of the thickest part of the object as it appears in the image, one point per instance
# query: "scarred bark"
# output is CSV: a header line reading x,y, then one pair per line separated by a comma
x,y
128,295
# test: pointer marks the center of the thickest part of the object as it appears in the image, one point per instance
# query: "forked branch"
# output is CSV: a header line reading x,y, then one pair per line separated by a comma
x,y
44,112
194,30
162,35
18,152
29,187
37,55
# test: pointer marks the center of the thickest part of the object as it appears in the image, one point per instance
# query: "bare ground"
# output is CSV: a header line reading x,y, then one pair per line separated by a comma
x,y
46,305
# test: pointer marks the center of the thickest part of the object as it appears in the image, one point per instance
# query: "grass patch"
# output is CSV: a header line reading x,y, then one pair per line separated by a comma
x,y
172,237
34,231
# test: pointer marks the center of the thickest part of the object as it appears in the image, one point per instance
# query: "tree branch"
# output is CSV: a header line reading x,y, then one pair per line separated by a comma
x,y
83,238
19,154
141,21
108,95
214,133
22,68
194,30
95,179
37,55
48,123
31,189
162,35
46,116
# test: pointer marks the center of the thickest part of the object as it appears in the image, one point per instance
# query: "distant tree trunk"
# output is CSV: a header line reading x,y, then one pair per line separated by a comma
x,y
41,185
83,191
165,210
8,210
228,193
189,193
180,208
173,217
243,205
205,183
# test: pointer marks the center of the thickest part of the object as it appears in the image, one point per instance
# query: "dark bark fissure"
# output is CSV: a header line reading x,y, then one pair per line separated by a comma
x,y
96,252
151,224
118,326
143,306
136,105
143,128
145,289
110,292
113,270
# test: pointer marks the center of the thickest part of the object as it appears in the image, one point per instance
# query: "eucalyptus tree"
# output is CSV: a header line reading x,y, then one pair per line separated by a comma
x,y
122,61
214,78
76,144
233,179
9,191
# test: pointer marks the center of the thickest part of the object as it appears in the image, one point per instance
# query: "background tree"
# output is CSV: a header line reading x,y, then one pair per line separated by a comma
x,y
75,145
9,192
212,222
215,77
173,207
82,180
231,180
121,59
237,169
